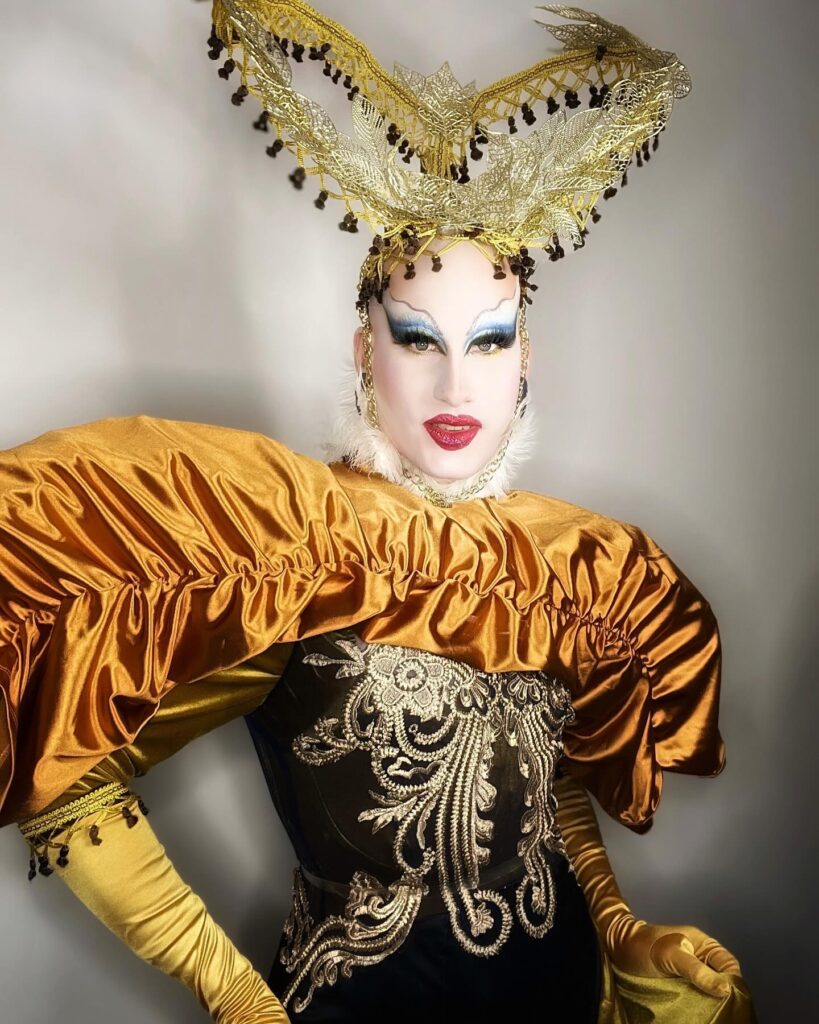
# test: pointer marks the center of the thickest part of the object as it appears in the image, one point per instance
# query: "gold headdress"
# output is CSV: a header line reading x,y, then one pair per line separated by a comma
x,y
406,168
539,190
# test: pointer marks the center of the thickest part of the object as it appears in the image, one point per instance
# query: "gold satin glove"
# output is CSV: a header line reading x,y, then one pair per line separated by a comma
x,y
634,946
118,868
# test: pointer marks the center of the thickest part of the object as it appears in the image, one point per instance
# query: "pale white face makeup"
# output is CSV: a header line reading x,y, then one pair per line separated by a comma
x,y
446,362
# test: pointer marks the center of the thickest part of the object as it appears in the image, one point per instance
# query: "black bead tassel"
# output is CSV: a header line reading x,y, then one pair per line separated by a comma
x,y
238,98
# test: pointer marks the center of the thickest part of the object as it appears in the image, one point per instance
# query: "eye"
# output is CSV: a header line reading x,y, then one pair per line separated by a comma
x,y
494,342
417,341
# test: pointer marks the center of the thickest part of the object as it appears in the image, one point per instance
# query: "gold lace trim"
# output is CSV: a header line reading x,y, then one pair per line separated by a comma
x,y
54,829
429,724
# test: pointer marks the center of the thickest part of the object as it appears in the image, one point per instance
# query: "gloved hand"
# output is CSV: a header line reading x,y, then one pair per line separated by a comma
x,y
121,872
634,946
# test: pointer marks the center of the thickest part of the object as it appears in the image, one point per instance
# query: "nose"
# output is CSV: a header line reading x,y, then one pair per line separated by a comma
x,y
452,382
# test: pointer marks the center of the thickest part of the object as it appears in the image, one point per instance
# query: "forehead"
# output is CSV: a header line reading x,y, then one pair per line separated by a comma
x,y
454,296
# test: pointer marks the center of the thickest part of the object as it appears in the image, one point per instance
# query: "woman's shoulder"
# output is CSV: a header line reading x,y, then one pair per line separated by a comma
x,y
153,454
543,531
147,450
557,513
141,432
557,524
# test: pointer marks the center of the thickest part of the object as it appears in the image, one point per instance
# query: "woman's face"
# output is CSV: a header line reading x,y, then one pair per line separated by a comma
x,y
446,362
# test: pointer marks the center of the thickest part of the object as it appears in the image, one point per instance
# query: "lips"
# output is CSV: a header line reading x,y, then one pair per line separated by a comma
x,y
452,432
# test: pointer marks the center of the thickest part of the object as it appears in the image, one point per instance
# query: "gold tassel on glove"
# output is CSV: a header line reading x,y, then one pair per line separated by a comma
x,y
121,872
639,951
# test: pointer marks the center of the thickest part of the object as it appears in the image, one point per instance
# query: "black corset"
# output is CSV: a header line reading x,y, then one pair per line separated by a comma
x,y
420,783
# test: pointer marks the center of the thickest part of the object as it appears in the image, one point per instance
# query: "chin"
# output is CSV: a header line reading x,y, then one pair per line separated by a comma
x,y
450,466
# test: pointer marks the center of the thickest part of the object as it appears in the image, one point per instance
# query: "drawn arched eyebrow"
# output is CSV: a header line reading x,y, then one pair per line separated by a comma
x,y
498,319
424,315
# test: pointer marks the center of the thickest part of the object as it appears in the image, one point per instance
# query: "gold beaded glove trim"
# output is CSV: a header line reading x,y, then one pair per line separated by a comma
x,y
535,190
53,829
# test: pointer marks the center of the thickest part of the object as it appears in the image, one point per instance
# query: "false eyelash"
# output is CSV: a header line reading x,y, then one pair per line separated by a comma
x,y
496,337
408,338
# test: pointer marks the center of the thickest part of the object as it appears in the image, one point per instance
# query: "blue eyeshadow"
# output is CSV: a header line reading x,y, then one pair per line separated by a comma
x,y
401,327
497,326
405,325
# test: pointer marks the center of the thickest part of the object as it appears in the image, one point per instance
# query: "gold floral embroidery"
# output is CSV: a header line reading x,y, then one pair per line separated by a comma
x,y
429,725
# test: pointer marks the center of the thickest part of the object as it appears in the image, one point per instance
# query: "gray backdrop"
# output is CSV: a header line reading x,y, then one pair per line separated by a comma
x,y
143,270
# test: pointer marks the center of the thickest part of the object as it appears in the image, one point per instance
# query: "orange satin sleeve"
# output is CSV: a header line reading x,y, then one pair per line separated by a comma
x,y
138,555
185,713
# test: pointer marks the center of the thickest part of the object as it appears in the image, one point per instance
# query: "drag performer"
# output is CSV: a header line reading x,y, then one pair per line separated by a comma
x,y
435,669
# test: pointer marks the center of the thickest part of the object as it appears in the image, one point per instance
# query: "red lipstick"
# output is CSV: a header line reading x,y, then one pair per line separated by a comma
x,y
452,432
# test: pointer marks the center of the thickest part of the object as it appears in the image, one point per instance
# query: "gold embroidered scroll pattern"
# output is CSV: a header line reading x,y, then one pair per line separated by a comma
x,y
429,725
375,923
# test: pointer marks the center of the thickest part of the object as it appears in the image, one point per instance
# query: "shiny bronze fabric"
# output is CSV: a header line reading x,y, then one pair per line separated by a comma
x,y
185,713
140,554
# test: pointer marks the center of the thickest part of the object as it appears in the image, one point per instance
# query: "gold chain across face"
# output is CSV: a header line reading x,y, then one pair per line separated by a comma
x,y
371,410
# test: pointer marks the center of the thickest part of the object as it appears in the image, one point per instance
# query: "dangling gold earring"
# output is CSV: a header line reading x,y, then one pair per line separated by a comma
x,y
523,386
367,373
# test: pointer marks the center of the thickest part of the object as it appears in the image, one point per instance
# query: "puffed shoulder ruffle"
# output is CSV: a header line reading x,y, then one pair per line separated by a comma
x,y
138,554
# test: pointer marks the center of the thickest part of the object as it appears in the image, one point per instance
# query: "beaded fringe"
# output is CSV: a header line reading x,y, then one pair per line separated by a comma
x,y
53,829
